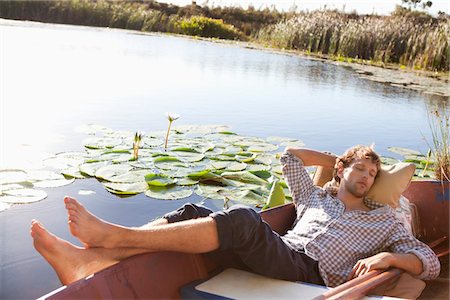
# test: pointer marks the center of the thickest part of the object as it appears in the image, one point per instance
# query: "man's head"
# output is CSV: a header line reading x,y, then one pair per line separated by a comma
x,y
356,169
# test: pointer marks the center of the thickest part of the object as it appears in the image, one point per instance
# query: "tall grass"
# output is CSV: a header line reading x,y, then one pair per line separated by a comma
x,y
417,43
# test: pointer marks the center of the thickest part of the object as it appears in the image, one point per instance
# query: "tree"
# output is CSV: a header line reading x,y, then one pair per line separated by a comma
x,y
414,3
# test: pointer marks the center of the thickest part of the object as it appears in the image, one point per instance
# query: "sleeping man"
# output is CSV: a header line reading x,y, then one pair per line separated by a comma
x,y
335,237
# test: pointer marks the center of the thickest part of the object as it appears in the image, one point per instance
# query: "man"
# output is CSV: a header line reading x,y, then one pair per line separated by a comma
x,y
335,238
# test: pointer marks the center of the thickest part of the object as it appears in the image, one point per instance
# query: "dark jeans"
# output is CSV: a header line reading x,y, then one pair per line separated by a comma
x,y
242,231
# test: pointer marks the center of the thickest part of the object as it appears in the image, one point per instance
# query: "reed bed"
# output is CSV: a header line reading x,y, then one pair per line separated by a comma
x,y
413,42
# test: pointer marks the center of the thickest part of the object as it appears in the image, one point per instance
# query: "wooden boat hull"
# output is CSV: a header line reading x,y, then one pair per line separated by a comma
x,y
160,275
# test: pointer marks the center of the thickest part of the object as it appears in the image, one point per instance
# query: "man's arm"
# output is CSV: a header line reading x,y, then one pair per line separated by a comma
x,y
300,183
405,261
313,157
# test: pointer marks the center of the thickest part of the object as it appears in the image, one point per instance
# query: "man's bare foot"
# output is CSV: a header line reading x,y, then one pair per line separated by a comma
x,y
89,229
70,262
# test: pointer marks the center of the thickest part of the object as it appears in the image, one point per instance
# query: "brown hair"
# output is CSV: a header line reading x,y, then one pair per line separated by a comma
x,y
358,151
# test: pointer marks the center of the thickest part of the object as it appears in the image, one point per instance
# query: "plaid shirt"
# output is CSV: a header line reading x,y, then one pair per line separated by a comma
x,y
338,239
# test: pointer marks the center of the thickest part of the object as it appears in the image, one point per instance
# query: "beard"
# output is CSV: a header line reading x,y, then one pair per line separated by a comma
x,y
353,189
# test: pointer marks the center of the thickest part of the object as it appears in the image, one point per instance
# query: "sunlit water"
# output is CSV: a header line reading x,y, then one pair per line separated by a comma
x,y
55,78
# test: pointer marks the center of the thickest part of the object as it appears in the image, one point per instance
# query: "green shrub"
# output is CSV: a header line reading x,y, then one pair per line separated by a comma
x,y
207,27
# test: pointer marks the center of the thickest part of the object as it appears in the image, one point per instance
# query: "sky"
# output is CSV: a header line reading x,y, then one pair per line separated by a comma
x,y
381,7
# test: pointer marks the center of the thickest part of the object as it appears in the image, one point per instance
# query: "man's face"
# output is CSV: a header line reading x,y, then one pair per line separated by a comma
x,y
359,177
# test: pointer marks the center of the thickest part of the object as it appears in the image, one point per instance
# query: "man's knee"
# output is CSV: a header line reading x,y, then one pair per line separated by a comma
x,y
237,226
187,212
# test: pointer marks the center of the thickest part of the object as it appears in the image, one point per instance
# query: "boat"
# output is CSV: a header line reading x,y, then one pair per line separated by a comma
x,y
162,275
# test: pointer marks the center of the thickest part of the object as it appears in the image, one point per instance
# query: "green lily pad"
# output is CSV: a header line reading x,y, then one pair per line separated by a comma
x,y
73,172
404,151
126,188
386,160
187,182
257,167
277,169
190,157
264,159
90,168
153,179
110,171
21,196
244,176
264,174
230,166
213,192
168,193
131,176
262,147
152,142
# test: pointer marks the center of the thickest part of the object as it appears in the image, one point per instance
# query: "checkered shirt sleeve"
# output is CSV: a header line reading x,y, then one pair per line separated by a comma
x,y
401,241
297,178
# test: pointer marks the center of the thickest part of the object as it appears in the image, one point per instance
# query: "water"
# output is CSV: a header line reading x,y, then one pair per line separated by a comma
x,y
54,78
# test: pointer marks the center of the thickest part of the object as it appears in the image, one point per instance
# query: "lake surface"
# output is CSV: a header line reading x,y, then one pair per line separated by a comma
x,y
55,78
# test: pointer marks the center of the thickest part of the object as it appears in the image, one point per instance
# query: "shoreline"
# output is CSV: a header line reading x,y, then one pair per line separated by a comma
x,y
426,82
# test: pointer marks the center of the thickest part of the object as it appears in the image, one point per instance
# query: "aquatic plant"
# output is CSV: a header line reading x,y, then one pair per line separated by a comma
x,y
420,43
136,144
171,117
210,161
440,142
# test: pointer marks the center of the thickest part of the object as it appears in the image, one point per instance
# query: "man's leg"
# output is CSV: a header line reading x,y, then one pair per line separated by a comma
x,y
71,262
190,236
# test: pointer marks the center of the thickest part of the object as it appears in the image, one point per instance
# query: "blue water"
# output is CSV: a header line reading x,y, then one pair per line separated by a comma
x,y
54,78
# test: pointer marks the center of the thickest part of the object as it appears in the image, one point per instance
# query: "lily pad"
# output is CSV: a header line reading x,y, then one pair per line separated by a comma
x,y
41,175
12,176
21,196
126,188
168,193
186,181
131,176
386,160
262,147
90,168
403,151
109,172
73,172
244,176
101,142
159,180
53,183
230,166
152,142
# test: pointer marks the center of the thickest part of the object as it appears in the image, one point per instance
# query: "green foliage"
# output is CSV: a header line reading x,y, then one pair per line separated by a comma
x,y
207,27
419,42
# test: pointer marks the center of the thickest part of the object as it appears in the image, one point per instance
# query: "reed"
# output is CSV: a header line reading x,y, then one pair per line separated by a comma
x,y
416,43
